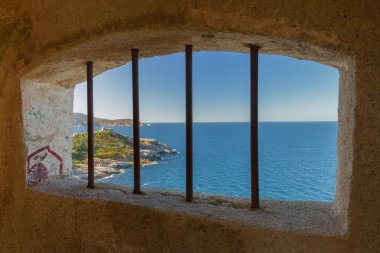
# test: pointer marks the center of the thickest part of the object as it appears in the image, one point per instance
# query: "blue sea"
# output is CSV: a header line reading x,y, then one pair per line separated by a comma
x,y
297,160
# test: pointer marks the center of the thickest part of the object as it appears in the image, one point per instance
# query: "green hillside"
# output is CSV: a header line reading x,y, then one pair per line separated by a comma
x,y
108,145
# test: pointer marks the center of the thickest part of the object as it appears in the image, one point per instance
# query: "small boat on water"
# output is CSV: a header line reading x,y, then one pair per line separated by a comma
x,y
148,124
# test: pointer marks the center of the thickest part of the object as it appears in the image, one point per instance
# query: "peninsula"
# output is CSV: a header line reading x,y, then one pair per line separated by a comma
x,y
114,152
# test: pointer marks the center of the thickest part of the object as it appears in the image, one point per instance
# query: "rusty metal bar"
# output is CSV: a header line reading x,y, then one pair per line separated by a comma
x,y
136,121
254,57
189,123
90,124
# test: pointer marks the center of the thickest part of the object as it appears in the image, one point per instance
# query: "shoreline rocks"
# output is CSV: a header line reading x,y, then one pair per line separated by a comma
x,y
109,161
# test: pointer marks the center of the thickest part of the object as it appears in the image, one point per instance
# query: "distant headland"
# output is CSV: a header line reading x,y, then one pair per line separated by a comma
x,y
80,120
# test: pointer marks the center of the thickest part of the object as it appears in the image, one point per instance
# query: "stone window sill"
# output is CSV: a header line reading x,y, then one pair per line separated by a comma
x,y
309,217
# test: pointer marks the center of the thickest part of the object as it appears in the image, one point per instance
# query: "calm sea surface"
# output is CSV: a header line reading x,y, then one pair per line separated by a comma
x,y
297,160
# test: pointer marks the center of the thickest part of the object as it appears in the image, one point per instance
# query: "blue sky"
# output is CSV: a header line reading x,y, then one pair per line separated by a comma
x,y
289,89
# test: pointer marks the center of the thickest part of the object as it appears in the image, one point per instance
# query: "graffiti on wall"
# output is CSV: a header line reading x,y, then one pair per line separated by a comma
x,y
41,163
34,114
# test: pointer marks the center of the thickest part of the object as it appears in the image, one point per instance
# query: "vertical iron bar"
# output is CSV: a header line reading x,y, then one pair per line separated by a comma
x,y
90,124
189,123
254,55
136,121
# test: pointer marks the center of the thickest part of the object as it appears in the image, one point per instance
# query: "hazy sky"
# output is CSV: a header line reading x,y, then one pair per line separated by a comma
x,y
289,89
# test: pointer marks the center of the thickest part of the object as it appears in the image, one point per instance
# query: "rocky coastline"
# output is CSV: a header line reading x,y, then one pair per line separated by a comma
x,y
114,153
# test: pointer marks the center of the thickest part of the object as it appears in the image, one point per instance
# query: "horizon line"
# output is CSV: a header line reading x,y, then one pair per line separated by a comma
x,y
265,121
270,121
290,121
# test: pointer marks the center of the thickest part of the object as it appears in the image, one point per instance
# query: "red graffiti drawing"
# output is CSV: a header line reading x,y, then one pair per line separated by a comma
x,y
36,170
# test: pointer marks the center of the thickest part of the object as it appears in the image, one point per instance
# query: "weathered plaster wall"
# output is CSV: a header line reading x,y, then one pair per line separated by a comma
x,y
48,41
48,124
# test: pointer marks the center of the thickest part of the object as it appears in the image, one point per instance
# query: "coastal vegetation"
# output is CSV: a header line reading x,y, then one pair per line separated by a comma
x,y
114,152
108,145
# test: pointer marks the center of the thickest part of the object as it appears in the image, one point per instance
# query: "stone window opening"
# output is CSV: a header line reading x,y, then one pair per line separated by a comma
x,y
41,130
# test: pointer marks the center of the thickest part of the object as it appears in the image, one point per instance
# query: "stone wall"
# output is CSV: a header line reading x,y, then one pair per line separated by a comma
x,y
48,124
48,42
